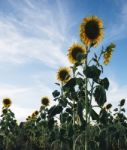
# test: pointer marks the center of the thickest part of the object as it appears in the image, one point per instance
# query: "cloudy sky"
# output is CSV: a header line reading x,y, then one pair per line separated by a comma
x,y
35,36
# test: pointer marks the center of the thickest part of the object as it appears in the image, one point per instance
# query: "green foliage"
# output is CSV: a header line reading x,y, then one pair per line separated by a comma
x,y
92,72
100,95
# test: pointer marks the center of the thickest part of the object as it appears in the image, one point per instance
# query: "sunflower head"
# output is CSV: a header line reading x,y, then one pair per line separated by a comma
x,y
28,118
108,106
74,51
107,56
108,53
7,102
63,74
34,114
91,30
45,101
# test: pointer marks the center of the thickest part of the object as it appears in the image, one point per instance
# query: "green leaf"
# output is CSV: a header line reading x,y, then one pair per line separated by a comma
x,y
43,115
63,117
69,110
57,84
122,102
51,123
103,116
94,115
56,93
62,133
92,72
105,83
80,110
70,84
116,109
63,102
54,110
123,109
100,95
70,130
79,81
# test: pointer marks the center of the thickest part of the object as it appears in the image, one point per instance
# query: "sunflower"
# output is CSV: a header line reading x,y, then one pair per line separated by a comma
x,y
45,101
7,102
108,106
91,31
74,51
28,118
63,74
107,56
34,114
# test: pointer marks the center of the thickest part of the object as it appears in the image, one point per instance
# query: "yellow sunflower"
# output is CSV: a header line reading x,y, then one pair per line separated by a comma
x,y
91,30
107,56
74,51
45,101
28,118
7,102
34,114
63,74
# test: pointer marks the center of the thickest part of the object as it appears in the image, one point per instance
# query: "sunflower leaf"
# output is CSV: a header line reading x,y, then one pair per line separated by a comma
x,y
100,95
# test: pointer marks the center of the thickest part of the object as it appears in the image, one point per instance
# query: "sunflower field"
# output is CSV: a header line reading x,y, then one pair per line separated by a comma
x,y
82,118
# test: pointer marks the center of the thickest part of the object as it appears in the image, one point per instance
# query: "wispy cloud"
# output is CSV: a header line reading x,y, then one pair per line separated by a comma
x,y
34,33
118,27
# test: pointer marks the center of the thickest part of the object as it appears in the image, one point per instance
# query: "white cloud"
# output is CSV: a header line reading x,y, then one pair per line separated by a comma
x,y
21,113
34,33
116,92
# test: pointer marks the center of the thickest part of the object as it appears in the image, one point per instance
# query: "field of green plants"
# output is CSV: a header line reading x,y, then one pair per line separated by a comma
x,y
82,118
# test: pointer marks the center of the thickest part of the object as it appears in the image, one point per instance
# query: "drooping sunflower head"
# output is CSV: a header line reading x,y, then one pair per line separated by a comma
x,y
74,51
7,102
107,56
91,31
45,101
63,74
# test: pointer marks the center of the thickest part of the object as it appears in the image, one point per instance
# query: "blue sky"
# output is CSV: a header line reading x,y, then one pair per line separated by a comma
x,y
35,36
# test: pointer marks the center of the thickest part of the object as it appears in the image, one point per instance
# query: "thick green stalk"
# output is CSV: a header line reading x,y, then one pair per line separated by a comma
x,y
91,96
73,117
86,105
73,123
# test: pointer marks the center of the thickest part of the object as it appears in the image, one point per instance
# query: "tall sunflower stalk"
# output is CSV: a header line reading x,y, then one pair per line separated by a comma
x,y
73,117
91,33
86,108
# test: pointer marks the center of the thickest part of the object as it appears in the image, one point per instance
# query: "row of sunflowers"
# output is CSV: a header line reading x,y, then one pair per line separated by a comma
x,y
81,118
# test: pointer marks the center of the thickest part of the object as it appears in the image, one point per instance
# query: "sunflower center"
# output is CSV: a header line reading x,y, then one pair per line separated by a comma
x,y
92,29
75,52
45,101
7,102
64,75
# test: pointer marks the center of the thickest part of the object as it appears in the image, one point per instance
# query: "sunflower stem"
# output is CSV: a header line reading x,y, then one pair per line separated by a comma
x,y
86,105
73,116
